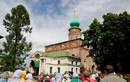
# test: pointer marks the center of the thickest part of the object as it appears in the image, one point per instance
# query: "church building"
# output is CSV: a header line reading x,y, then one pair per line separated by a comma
x,y
64,56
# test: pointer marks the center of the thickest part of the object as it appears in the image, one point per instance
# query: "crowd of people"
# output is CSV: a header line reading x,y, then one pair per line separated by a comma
x,y
85,76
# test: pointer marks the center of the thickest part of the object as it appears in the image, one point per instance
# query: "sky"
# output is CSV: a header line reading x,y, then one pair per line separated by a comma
x,y
50,19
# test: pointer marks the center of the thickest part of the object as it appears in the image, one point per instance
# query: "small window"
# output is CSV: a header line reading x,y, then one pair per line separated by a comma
x,y
71,62
42,60
76,70
58,62
76,37
50,70
71,69
76,63
58,69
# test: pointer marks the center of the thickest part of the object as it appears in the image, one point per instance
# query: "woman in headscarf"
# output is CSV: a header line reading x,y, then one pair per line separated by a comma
x,y
58,77
29,78
16,76
4,77
66,78
24,72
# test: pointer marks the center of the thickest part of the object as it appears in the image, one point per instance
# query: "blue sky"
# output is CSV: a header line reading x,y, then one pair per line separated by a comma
x,y
50,18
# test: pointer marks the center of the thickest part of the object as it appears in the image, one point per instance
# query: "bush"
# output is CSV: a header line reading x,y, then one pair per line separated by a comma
x,y
127,79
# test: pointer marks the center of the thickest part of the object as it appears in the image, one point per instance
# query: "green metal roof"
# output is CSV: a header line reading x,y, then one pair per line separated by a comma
x,y
57,54
74,23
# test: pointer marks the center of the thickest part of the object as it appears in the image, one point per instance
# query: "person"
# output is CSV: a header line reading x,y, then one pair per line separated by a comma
x,y
10,74
16,76
58,77
4,77
75,78
95,76
31,69
52,78
87,77
111,76
24,72
66,78
29,78
39,78
81,77
47,79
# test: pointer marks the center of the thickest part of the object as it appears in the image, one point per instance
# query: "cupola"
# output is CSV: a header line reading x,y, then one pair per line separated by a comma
x,y
74,23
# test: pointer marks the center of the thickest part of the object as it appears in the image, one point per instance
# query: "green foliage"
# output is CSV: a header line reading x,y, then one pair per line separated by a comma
x,y
110,41
17,24
127,79
7,63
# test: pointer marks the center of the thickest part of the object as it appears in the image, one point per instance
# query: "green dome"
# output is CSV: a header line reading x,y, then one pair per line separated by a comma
x,y
74,23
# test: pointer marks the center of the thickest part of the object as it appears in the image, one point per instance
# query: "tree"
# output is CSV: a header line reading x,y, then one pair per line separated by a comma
x,y
16,47
110,41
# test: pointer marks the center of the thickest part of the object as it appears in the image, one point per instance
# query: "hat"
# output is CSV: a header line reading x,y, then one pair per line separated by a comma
x,y
66,75
29,76
75,75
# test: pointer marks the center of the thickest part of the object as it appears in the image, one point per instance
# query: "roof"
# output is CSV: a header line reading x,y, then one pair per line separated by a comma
x,y
40,52
57,54
65,42
74,23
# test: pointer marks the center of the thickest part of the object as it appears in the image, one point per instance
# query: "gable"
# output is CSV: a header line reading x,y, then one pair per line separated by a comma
x,y
40,53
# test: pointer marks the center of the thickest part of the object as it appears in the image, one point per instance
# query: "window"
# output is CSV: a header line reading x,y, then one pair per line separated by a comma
x,y
76,37
71,69
71,62
76,70
58,61
50,70
42,60
76,63
58,69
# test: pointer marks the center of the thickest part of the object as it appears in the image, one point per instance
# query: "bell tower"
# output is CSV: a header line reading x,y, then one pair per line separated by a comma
x,y
74,31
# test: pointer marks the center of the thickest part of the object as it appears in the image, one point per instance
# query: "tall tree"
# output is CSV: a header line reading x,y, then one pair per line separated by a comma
x,y
16,47
110,41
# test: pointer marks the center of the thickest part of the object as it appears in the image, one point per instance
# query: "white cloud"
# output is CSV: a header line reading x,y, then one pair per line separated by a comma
x,y
34,1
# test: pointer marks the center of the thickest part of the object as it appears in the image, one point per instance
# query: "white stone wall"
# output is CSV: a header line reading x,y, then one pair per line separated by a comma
x,y
65,65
